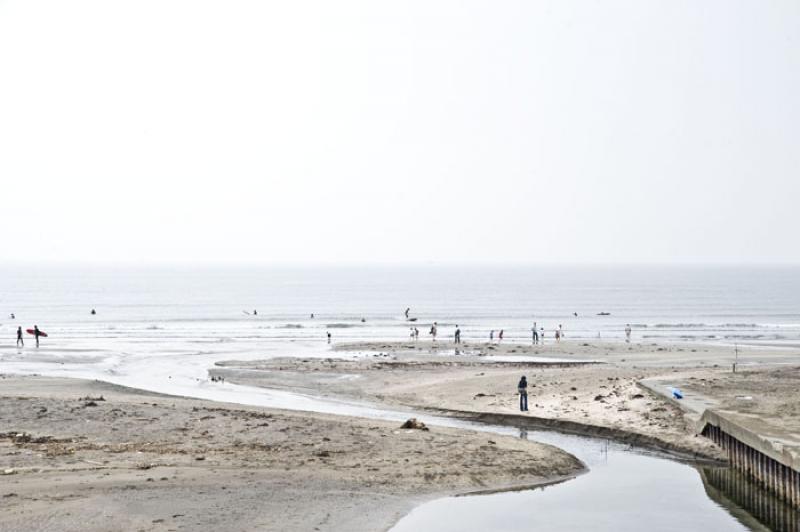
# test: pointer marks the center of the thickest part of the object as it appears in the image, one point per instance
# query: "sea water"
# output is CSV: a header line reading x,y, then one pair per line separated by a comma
x,y
173,306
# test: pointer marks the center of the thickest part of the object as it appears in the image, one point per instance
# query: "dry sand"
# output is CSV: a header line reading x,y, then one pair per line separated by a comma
x,y
83,455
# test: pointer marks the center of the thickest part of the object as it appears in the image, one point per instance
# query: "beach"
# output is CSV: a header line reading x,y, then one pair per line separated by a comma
x,y
85,455
192,414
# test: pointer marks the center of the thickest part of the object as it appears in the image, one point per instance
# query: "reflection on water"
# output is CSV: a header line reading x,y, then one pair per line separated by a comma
x,y
735,490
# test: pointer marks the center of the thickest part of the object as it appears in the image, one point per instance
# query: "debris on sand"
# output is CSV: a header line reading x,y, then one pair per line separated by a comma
x,y
414,423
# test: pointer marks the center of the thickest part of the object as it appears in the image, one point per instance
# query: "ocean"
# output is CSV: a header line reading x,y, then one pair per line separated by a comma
x,y
172,307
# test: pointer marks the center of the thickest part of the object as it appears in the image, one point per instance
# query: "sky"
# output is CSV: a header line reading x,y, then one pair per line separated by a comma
x,y
560,131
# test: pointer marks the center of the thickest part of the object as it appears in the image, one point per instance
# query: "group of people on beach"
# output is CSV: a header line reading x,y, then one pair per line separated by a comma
x,y
35,332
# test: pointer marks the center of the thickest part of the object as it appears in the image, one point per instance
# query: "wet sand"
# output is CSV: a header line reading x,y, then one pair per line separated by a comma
x,y
86,455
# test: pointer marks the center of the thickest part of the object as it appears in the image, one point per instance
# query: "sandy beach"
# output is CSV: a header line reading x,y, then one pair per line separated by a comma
x,y
81,454
85,455
590,388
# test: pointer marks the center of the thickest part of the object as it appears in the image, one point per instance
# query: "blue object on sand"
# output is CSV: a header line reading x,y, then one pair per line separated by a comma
x,y
676,393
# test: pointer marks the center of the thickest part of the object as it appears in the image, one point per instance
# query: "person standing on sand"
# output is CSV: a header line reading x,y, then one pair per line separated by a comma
x,y
522,388
433,331
458,335
491,336
628,333
36,334
20,341
558,336
535,334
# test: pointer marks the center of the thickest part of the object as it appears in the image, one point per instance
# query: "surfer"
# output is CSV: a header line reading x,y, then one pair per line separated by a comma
x,y
94,312
20,341
255,312
36,334
13,317
312,315
500,335
458,335
329,337
407,311
433,331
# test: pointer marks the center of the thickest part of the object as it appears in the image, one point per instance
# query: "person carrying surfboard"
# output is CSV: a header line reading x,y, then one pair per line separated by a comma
x,y
36,334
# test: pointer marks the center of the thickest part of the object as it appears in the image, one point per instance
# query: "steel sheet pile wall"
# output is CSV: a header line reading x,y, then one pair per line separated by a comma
x,y
780,479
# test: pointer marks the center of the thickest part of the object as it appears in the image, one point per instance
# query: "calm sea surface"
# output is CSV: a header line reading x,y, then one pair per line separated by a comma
x,y
759,305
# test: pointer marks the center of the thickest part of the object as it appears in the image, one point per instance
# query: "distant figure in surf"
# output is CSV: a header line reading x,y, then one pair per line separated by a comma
x,y
13,317
312,315
416,334
522,388
560,331
329,336
500,336
433,331
558,336
255,312
628,333
491,336
407,311
36,334
20,341
458,335
93,312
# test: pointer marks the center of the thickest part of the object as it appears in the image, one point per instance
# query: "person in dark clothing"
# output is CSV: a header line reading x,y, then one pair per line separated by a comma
x,y
20,341
36,334
522,388
458,335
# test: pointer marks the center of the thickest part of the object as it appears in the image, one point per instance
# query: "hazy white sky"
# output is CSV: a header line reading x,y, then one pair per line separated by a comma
x,y
573,131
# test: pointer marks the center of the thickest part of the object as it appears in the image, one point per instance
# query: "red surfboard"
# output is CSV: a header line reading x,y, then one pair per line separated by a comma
x,y
31,331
